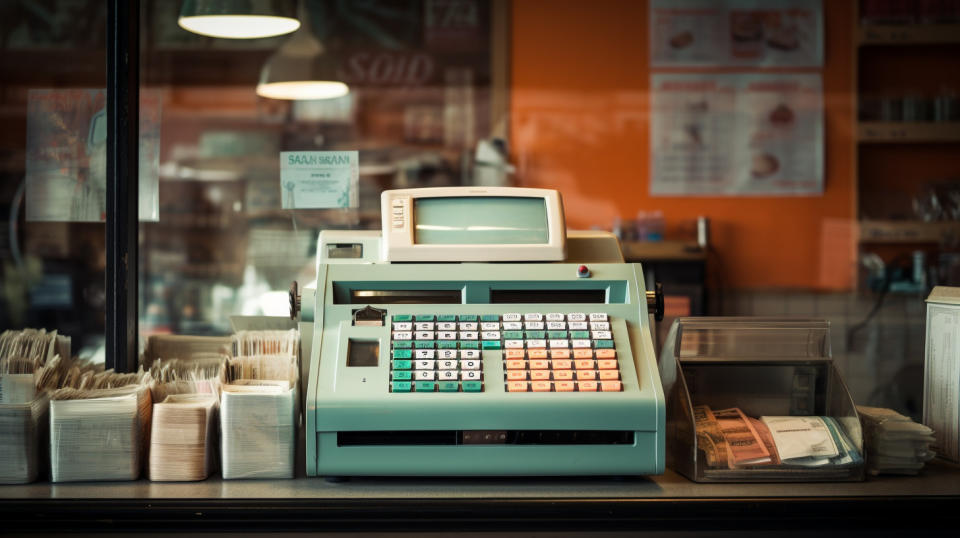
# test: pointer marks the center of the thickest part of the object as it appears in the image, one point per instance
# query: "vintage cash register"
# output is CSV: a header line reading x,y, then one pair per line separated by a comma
x,y
474,335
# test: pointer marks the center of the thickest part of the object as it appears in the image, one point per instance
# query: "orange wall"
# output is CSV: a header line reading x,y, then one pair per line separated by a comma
x,y
579,123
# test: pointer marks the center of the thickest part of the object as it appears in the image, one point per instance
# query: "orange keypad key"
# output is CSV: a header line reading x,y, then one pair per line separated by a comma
x,y
516,375
515,364
586,374
540,375
563,374
539,364
584,364
514,354
611,386
537,353
560,354
562,364
582,353
607,364
606,353
588,386
517,386
541,386
563,386
607,375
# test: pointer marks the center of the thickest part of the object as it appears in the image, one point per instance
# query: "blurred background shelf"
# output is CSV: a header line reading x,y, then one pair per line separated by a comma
x,y
901,132
904,231
909,34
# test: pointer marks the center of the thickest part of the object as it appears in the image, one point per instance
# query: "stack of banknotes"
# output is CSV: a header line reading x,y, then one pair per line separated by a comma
x,y
22,432
183,437
894,443
259,427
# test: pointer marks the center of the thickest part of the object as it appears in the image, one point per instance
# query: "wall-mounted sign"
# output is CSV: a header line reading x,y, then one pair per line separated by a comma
x,y
319,179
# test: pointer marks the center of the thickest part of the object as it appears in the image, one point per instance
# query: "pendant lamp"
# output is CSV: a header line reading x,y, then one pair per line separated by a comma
x,y
239,19
300,70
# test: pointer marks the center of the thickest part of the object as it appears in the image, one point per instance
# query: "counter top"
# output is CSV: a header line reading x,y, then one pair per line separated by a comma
x,y
669,501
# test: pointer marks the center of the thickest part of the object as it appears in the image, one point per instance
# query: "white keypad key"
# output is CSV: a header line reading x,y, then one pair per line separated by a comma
x,y
581,343
403,335
448,375
446,326
468,335
512,326
576,316
423,364
555,316
490,326
424,375
447,365
424,325
600,326
559,343
513,344
511,317
534,325
598,316
446,335
469,326
403,326
556,325
601,335
447,353
470,365
424,353
490,335
536,344
469,353
470,375
533,316
578,325
424,335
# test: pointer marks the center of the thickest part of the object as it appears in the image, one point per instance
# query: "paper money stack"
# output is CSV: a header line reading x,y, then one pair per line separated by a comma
x,y
894,443
98,434
22,429
183,437
259,427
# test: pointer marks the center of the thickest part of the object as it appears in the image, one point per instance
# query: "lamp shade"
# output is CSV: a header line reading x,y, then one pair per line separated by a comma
x,y
239,19
300,70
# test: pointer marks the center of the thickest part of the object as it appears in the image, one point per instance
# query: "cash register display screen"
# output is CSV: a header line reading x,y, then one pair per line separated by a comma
x,y
481,220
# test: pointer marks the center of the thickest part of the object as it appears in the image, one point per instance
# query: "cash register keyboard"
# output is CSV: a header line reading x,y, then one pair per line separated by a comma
x,y
552,352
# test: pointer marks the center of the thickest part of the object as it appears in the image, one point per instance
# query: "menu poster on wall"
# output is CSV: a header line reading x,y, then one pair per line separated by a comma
x,y
736,134
762,33
320,179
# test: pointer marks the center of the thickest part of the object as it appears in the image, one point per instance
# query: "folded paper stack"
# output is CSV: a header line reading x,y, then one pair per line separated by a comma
x,y
183,437
23,429
895,444
258,421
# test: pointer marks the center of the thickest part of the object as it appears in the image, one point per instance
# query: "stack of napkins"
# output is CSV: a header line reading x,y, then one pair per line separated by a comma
x,y
183,439
98,434
22,431
258,422
894,443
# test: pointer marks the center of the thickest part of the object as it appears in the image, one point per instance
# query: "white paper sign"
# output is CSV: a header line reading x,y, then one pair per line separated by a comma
x,y
736,134
765,33
319,179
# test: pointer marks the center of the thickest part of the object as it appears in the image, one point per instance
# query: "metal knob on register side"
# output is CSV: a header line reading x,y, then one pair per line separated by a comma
x,y
655,302
294,300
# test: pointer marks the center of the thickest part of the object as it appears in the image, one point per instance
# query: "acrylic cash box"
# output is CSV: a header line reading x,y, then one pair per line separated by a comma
x,y
742,392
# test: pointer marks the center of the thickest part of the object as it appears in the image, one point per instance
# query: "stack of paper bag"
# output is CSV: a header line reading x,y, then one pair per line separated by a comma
x,y
183,438
98,434
258,422
894,443
22,433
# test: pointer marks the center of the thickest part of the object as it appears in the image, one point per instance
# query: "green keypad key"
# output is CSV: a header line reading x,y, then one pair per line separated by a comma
x,y
555,335
424,344
490,344
449,386
425,317
469,344
446,317
402,353
512,335
402,317
490,317
447,344
402,344
402,375
400,386
472,386
405,364
468,317
603,344
426,386
538,335
579,334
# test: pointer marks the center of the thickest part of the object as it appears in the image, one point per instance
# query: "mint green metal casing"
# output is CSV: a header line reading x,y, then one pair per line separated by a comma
x,y
343,399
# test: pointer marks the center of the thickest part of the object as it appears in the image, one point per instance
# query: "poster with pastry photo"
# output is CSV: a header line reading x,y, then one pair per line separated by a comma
x,y
758,33
736,134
